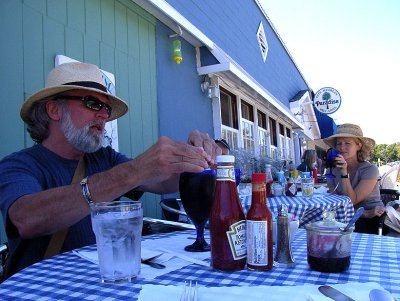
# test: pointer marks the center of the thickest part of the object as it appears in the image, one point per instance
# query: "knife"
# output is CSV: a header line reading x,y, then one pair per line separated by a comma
x,y
153,264
333,293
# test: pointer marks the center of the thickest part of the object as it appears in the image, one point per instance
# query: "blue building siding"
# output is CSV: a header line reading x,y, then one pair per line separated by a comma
x,y
181,103
236,35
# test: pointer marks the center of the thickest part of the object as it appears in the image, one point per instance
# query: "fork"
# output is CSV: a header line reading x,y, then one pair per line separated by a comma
x,y
189,293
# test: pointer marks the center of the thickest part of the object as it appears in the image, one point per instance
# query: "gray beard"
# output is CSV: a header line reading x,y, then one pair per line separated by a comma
x,y
81,139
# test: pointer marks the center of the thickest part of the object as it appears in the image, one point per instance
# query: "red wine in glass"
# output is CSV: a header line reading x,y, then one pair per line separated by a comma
x,y
197,195
331,162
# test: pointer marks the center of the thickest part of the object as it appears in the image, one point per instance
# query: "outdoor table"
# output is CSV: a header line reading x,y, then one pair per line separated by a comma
x,y
307,209
69,277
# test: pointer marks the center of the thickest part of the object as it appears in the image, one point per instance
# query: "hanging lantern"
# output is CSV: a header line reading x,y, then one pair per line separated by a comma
x,y
176,44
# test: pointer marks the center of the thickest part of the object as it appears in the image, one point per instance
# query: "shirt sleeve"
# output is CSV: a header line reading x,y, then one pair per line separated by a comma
x,y
16,180
369,172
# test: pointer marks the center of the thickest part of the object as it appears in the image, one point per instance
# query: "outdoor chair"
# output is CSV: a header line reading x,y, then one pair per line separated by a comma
x,y
390,197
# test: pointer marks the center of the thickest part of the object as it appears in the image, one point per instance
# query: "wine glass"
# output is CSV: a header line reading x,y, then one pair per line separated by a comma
x,y
237,176
330,161
197,195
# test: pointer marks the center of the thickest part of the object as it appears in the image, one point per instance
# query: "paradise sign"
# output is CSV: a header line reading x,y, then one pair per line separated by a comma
x,y
327,100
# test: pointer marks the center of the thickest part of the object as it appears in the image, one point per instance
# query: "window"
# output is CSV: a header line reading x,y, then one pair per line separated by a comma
x,y
229,115
289,145
262,133
250,128
282,141
247,125
272,131
228,109
262,120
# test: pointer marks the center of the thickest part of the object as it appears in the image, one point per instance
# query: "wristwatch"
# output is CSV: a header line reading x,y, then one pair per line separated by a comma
x,y
345,176
86,191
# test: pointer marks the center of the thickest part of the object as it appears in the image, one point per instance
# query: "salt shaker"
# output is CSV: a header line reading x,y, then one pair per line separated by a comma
x,y
283,256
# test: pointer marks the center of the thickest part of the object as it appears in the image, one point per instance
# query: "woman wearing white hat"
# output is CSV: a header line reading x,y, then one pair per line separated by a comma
x,y
355,176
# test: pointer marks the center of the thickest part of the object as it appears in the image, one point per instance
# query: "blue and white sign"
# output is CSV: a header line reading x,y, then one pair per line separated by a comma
x,y
327,100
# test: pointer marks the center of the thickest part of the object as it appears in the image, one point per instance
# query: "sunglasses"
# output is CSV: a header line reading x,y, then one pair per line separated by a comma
x,y
90,102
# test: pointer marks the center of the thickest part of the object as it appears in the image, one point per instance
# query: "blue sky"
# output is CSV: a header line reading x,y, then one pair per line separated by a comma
x,y
353,46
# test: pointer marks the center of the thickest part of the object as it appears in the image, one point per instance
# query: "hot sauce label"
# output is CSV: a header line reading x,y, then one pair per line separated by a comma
x,y
237,239
291,189
257,242
225,173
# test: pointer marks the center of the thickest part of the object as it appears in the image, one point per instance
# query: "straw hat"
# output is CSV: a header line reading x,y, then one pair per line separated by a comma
x,y
74,76
351,131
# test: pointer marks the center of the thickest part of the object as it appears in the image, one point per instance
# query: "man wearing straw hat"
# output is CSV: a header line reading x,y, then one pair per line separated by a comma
x,y
67,120
355,176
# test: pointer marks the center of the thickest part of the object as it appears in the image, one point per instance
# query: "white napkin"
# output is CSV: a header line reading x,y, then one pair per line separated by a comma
x,y
321,190
357,291
93,256
146,271
173,256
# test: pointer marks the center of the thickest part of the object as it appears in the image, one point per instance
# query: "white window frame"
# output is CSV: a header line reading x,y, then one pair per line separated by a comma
x,y
238,139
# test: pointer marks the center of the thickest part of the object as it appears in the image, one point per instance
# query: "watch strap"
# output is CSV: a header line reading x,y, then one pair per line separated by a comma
x,y
85,190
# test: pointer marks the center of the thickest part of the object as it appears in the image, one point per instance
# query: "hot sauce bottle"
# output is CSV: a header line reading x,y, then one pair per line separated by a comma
x,y
291,187
269,179
227,220
315,174
259,227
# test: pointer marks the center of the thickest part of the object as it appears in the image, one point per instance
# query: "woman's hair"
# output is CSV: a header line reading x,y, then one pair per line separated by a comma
x,y
365,152
310,157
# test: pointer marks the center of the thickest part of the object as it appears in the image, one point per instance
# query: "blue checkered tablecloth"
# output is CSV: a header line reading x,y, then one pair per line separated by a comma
x,y
308,210
68,277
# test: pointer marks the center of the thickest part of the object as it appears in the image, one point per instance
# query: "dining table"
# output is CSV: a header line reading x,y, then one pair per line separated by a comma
x,y
308,209
71,276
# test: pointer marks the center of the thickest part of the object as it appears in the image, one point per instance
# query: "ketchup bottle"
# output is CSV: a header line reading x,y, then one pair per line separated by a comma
x,y
227,220
259,227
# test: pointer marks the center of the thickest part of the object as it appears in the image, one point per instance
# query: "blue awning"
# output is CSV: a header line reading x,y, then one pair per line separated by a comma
x,y
327,125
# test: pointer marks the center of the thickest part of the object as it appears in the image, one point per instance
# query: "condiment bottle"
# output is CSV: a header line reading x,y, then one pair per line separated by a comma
x,y
282,180
291,187
227,220
259,227
269,179
295,174
283,256
315,174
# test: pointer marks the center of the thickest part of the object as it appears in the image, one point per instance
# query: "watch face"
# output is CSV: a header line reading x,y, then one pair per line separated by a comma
x,y
327,100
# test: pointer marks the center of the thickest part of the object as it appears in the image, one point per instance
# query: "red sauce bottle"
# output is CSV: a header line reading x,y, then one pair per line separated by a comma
x,y
227,220
259,227
315,174
269,179
291,188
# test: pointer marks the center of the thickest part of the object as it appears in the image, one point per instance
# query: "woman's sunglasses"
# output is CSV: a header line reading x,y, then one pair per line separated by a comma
x,y
90,102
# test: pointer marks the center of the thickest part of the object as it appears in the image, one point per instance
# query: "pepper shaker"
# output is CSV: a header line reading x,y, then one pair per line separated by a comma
x,y
283,256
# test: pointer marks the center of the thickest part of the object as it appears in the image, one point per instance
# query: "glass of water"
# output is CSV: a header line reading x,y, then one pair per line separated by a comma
x,y
118,229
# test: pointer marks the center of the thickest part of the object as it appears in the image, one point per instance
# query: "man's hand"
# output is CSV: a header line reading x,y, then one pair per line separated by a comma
x,y
199,139
377,211
165,161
